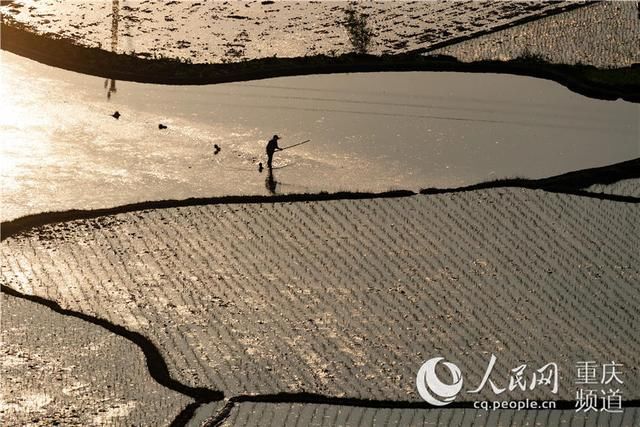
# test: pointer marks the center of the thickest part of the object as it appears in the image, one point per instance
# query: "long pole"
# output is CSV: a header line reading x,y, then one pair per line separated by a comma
x,y
295,145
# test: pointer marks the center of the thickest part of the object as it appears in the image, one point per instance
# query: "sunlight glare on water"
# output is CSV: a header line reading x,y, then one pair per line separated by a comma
x,y
62,149
25,132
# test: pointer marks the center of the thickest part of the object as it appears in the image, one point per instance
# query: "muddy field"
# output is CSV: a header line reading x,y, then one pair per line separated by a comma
x,y
60,370
348,298
604,35
215,32
625,187
256,414
312,312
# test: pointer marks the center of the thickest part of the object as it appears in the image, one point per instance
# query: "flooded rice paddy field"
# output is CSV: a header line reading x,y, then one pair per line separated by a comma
x,y
49,360
625,187
346,298
605,35
342,298
369,132
257,414
213,32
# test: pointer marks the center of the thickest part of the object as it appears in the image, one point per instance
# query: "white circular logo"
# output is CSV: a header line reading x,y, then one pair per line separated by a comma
x,y
433,390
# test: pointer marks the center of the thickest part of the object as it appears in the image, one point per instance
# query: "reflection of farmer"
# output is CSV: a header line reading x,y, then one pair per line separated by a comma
x,y
270,183
272,146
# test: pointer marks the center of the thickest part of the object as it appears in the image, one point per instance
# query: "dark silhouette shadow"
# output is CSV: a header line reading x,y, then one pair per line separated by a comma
x,y
110,84
272,147
111,87
270,183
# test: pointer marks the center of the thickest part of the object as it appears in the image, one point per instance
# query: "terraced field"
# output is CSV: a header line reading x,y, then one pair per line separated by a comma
x,y
322,312
59,370
604,34
213,32
348,298
252,414
625,187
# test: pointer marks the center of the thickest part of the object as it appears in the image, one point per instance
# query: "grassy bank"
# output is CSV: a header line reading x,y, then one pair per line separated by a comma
x,y
63,53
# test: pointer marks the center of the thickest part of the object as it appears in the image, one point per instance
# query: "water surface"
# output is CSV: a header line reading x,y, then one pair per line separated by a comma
x,y
61,149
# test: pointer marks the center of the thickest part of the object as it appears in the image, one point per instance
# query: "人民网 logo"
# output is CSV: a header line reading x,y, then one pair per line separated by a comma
x,y
432,389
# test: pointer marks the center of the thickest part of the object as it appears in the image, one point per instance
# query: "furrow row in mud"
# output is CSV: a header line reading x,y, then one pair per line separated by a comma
x,y
347,298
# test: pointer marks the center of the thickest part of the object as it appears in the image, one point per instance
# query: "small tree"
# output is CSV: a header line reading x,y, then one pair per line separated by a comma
x,y
360,34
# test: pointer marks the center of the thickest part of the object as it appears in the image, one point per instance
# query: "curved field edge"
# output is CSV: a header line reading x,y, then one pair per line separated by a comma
x,y
156,365
319,398
39,344
606,84
158,371
569,183
303,397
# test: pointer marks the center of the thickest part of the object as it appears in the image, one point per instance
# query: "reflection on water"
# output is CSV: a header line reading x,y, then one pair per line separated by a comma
x,y
61,148
110,84
270,183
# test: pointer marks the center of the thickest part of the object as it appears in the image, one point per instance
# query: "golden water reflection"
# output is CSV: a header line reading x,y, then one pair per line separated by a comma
x,y
62,149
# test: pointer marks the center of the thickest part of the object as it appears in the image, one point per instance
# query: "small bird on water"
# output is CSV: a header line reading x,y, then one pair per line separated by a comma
x,y
116,115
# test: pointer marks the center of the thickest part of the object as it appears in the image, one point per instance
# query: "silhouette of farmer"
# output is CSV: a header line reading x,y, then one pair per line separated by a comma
x,y
272,147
